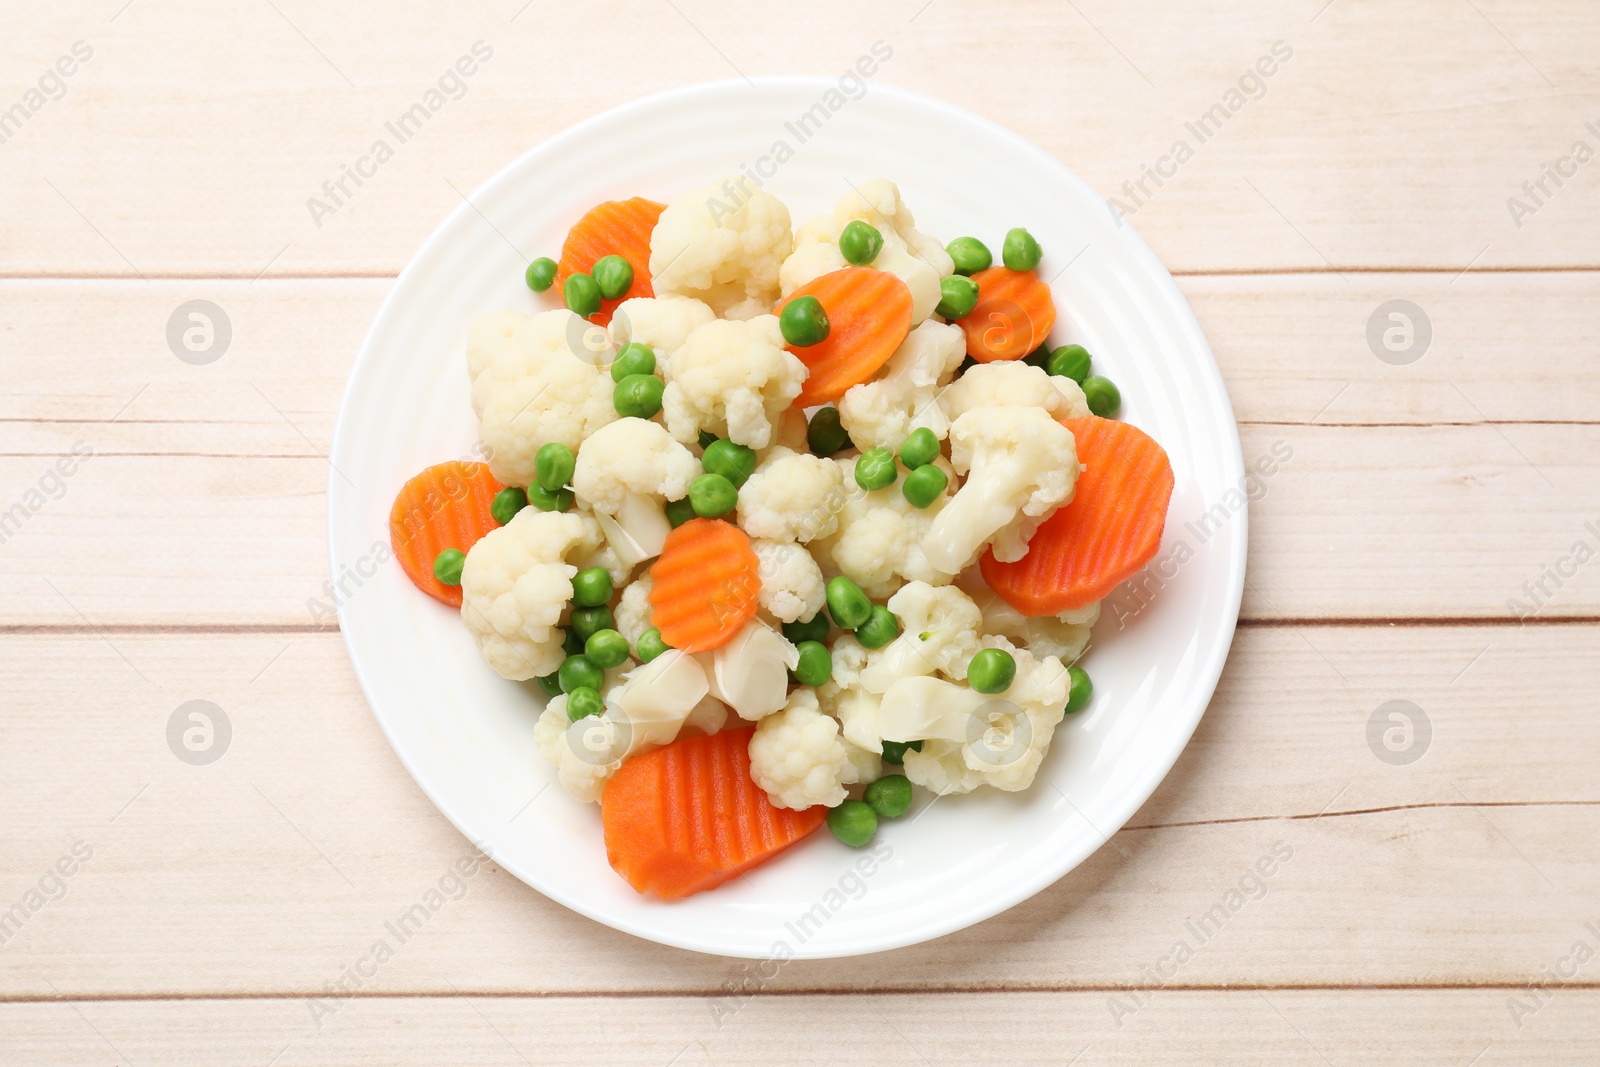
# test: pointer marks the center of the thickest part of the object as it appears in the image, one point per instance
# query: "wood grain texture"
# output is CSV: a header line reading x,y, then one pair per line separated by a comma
x,y
274,868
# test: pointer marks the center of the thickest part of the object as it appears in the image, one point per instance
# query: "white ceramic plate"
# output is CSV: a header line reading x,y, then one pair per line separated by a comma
x,y
466,735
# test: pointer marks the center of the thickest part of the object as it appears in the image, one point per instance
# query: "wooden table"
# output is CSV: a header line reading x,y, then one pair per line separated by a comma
x,y
1396,556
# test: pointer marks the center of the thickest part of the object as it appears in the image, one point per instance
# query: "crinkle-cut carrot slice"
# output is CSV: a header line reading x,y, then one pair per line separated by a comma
x,y
869,314
1014,315
614,228
1111,528
705,584
687,817
446,506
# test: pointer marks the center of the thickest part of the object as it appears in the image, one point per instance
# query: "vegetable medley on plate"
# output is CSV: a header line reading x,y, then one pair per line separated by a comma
x,y
786,523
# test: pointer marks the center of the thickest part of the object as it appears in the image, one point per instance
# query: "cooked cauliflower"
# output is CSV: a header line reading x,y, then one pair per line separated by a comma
x,y
708,716
529,389
882,413
792,586
662,322
879,543
750,673
585,753
939,631
626,472
722,245
734,379
914,257
514,585
1013,384
846,699
973,739
792,496
1065,636
1021,465
792,429
632,614
798,757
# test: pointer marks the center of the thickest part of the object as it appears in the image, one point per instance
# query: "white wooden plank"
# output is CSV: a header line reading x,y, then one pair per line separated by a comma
x,y
1423,1028
1389,138
275,867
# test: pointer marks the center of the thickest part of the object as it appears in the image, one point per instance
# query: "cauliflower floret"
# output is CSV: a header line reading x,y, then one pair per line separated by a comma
x,y
514,585
792,586
846,699
798,757
938,632
1063,636
1021,465
973,739
792,496
915,258
792,429
607,558
632,614
734,379
722,245
865,765
529,389
626,472
883,412
1008,384
662,322
879,543
585,754
708,716
750,673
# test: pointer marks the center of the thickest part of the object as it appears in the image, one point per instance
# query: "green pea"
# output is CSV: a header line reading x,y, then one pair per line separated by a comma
x,y
734,462
606,649
824,434
1102,394
924,485
650,645
1069,361
586,622
847,604
853,822
816,664
581,294
991,671
541,274
812,629
712,496
1020,251
889,796
550,683
1080,689
577,672
707,438
553,465
875,469
803,322
880,628
571,643
860,243
583,702
679,511
634,358
919,448
613,275
638,396
507,502
895,751
447,566
970,255
958,295
591,587
544,500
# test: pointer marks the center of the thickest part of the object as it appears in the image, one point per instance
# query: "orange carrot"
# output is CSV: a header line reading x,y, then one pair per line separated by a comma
x,y
1111,528
446,506
1014,315
704,587
688,817
869,314
614,228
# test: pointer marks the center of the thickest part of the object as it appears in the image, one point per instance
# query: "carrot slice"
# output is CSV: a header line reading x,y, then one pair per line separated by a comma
x,y
1014,315
446,506
688,817
614,228
703,588
1111,528
869,314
